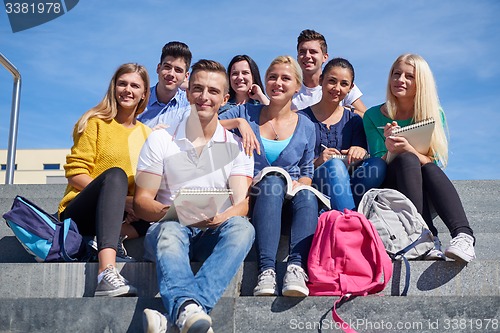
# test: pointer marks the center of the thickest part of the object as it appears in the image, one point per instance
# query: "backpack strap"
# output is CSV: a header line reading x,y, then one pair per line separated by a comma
x,y
64,234
401,255
417,241
338,320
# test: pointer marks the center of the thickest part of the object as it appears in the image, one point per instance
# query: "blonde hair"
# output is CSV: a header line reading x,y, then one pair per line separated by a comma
x,y
107,109
287,60
425,105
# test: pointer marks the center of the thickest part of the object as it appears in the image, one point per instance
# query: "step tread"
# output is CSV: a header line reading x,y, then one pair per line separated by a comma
x,y
62,280
259,314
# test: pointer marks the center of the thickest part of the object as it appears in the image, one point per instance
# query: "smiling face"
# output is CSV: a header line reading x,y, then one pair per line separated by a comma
x,y
403,83
240,77
129,90
171,73
281,82
310,56
336,83
207,91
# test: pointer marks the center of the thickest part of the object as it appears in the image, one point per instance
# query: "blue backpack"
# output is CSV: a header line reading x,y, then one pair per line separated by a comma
x,y
42,235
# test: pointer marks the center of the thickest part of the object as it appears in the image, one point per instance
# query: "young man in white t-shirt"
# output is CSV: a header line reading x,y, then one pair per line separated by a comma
x,y
312,53
199,154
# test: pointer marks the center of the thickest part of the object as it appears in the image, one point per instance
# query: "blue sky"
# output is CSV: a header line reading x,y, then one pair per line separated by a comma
x,y
66,64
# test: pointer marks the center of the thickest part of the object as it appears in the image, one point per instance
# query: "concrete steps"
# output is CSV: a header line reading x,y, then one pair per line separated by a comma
x,y
76,280
265,314
443,296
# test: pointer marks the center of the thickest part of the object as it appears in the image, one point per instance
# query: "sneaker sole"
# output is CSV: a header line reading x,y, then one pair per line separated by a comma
x,y
198,323
265,292
435,255
120,292
127,259
457,257
295,292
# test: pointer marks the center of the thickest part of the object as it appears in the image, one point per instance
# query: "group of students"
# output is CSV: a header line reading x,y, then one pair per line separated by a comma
x,y
139,146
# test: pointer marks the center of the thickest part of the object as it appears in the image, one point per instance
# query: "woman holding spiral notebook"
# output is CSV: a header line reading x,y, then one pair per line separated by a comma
x,y
343,169
411,98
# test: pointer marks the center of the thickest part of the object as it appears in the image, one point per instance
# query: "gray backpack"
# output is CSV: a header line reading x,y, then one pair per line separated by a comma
x,y
402,229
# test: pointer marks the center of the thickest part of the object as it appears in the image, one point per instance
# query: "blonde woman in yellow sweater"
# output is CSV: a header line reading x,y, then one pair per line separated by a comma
x,y
101,168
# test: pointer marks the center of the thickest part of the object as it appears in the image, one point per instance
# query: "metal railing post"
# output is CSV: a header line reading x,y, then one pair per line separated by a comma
x,y
14,118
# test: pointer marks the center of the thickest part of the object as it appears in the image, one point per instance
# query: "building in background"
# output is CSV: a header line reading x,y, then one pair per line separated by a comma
x,y
36,166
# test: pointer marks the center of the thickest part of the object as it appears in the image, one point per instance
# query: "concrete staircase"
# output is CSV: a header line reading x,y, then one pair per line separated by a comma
x,y
443,296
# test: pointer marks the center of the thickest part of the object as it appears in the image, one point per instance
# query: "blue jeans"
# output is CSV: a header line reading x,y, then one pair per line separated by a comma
x,y
173,246
345,191
269,203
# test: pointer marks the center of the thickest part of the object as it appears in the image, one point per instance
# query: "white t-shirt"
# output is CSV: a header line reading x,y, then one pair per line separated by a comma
x,y
175,159
310,96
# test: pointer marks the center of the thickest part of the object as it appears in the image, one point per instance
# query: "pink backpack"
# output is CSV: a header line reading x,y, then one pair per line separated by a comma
x,y
347,258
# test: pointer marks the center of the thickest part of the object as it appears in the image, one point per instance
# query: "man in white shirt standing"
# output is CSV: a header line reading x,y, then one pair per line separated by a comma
x,y
312,53
199,153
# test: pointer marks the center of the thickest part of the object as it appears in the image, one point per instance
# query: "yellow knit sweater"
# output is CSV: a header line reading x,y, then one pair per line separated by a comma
x,y
104,144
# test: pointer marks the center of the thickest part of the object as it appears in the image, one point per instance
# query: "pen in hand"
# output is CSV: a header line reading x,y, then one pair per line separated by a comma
x,y
322,145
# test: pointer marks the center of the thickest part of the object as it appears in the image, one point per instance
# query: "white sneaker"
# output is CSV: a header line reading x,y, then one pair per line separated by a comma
x,y
436,253
461,248
294,282
153,321
266,284
193,320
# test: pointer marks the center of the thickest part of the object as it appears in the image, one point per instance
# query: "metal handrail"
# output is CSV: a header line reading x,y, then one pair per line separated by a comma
x,y
14,119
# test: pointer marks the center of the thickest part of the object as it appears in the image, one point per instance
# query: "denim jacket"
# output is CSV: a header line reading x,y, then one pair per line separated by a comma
x,y
296,158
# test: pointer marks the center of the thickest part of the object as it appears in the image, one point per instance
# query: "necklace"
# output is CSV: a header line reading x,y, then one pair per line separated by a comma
x,y
277,137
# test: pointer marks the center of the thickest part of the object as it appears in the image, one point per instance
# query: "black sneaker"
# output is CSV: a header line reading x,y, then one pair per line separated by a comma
x,y
121,252
113,284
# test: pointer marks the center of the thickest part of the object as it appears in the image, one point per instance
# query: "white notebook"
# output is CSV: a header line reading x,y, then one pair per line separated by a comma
x,y
343,158
323,200
418,135
199,197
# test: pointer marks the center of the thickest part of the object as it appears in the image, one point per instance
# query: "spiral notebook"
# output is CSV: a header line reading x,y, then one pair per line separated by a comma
x,y
199,197
418,135
344,159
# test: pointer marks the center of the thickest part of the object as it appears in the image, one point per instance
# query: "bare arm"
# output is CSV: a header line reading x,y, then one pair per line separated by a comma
x,y
257,94
145,205
250,141
230,124
359,107
240,186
